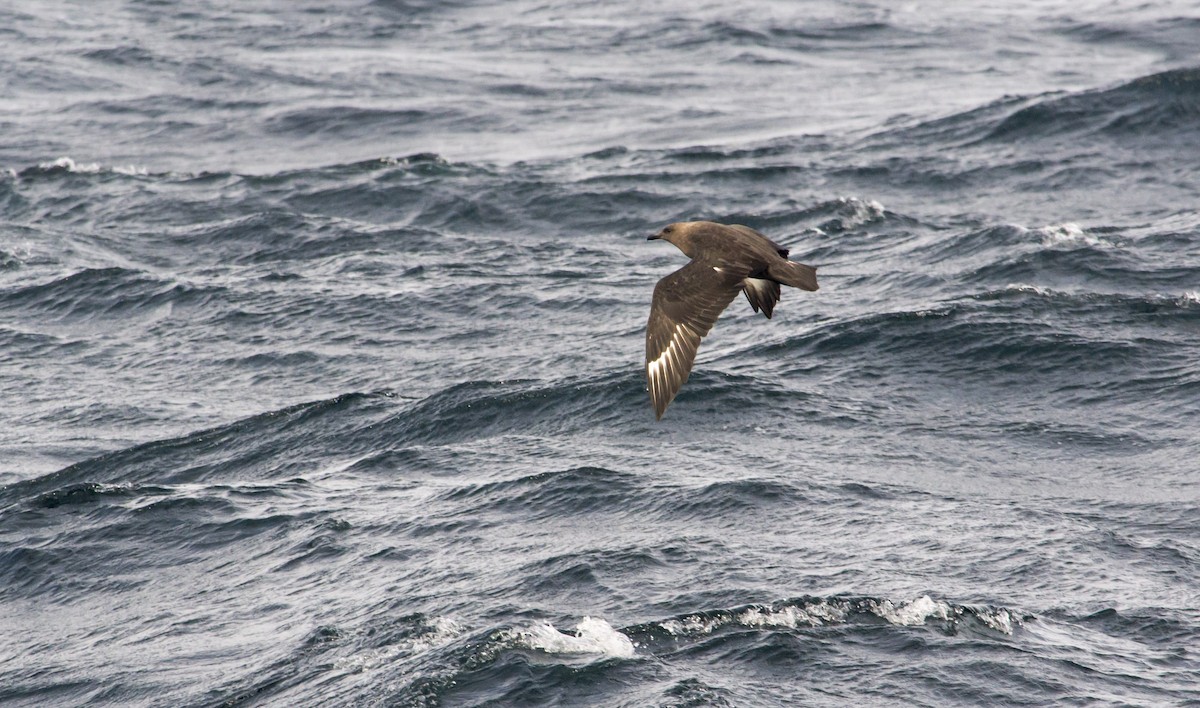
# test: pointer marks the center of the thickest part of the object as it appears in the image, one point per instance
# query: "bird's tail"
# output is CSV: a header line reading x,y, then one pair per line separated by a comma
x,y
794,274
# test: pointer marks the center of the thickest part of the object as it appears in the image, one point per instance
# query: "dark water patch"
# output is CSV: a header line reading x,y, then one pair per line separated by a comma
x,y
91,492
718,499
344,121
169,528
992,241
577,491
1153,111
1118,308
923,173
485,409
42,75
956,129
853,32
514,677
1091,264
103,293
866,491
312,553
693,693
972,338
270,360
1054,433
124,56
586,573
257,238
10,261
38,344
158,106
275,445
698,155
1176,37
275,674
1160,627
1158,518
402,460
1145,110
412,202
13,203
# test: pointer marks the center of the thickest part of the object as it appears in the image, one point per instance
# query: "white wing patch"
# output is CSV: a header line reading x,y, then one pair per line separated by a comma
x,y
758,285
668,367
762,294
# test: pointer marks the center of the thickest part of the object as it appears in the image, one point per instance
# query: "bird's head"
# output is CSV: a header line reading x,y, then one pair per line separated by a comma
x,y
679,233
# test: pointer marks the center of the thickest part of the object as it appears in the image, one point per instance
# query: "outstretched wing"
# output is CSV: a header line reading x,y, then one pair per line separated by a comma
x,y
686,304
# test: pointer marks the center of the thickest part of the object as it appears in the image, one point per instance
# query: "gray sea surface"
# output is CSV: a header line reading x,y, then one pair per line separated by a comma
x,y
322,337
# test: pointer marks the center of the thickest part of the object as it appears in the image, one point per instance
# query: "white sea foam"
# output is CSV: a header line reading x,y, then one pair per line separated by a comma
x,y
789,616
592,636
1000,620
862,211
408,160
694,624
912,613
1025,288
792,617
1191,297
91,168
836,611
131,170
1070,234
70,165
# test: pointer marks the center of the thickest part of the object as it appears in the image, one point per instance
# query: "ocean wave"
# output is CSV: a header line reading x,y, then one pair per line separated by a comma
x,y
507,663
276,445
1150,110
1147,108
845,214
15,258
720,498
591,636
366,429
812,612
350,120
413,635
105,293
482,409
1060,255
1000,332
579,489
66,165
387,168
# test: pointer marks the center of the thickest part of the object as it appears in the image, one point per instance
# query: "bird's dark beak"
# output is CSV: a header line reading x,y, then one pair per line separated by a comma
x,y
655,237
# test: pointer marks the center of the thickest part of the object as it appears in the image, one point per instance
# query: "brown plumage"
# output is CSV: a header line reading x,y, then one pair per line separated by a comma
x,y
726,259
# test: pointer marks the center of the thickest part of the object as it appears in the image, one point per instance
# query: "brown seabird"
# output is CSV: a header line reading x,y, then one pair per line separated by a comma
x,y
726,258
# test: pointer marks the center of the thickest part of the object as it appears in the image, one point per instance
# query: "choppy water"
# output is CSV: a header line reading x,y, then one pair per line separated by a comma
x,y
321,334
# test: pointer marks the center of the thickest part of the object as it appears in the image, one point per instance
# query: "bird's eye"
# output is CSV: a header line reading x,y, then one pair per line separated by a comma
x,y
668,230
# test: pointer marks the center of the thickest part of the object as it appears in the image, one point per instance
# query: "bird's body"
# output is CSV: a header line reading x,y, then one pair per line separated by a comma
x,y
726,259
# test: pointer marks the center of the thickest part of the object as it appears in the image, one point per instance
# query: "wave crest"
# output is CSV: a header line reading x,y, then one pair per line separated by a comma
x,y
819,612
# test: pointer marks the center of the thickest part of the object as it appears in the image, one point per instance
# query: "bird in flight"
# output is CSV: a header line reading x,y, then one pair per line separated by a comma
x,y
726,259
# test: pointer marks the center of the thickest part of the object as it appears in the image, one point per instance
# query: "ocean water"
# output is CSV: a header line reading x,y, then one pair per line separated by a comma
x,y
321,339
